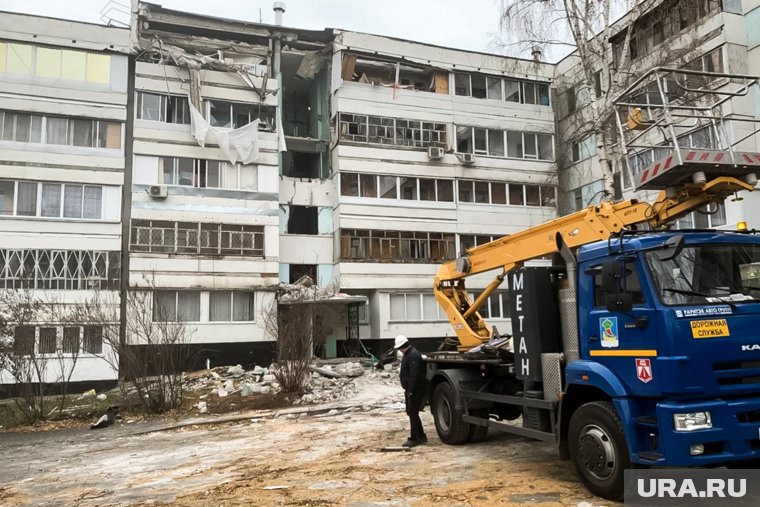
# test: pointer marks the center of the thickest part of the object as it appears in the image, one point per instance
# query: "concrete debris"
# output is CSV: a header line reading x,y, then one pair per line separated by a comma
x,y
202,407
101,397
235,371
326,383
325,372
349,370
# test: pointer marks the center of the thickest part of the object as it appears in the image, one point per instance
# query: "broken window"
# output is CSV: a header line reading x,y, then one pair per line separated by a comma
x,y
59,269
303,220
237,114
391,131
163,108
298,271
220,114
196,238
394,246
298,164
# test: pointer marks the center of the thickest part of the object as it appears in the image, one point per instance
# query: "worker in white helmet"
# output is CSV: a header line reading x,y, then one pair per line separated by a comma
x,y
414,382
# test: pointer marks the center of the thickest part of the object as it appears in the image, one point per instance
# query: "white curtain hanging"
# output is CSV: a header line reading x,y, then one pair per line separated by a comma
x,y
238,145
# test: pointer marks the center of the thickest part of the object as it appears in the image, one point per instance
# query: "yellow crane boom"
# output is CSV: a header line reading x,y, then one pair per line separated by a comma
x,y
598,222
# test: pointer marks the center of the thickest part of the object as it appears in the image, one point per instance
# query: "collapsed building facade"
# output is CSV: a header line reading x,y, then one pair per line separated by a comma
x,y
255,155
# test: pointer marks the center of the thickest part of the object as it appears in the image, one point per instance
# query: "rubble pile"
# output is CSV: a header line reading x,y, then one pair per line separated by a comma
x,y
339,381
224,380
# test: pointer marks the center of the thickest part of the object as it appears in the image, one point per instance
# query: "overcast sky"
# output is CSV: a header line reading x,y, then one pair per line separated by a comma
x,y
464,24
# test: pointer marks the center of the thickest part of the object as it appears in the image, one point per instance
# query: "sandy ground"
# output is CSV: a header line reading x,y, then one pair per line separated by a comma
x,y
283,458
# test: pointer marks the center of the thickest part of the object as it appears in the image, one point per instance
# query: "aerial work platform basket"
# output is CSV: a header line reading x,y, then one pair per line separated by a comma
x,y
660,111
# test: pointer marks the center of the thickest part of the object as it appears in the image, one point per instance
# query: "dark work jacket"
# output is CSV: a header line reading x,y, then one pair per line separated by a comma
x,y
412,373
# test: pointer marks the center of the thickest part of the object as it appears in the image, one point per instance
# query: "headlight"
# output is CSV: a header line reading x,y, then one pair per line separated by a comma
x,y
692,421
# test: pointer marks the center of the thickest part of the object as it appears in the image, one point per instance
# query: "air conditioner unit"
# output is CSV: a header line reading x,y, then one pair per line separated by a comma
x,y
435,153
467,158
158,191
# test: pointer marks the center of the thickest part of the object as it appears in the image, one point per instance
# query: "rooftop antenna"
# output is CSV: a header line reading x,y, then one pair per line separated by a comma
x,y
260,18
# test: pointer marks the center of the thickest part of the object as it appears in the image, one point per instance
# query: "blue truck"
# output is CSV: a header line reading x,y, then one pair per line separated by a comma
x,y
633,342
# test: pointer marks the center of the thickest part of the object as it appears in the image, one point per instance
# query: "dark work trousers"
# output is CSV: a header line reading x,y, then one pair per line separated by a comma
x,y
413,407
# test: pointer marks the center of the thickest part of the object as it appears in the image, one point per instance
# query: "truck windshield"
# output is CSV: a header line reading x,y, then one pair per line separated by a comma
x,y
707,274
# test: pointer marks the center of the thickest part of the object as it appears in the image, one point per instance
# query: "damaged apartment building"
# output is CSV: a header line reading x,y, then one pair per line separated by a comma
x,y
250,155
372,161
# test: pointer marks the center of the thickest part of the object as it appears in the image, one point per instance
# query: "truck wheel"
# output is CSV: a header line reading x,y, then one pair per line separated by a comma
x,y
598,448
448,420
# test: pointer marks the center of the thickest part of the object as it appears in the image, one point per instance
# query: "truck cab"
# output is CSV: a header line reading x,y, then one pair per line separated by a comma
x,y
668,332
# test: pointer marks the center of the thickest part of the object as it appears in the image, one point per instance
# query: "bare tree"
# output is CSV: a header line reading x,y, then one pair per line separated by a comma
x,y
604,68
156,349
40,360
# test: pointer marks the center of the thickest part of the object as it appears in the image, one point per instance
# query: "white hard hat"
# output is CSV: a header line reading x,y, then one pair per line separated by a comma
x,y
401,340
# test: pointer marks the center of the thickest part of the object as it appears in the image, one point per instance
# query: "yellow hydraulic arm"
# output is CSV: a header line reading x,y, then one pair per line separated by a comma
x,y
594,223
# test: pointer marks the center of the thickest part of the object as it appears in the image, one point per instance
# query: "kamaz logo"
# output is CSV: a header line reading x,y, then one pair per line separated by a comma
x,y
747,348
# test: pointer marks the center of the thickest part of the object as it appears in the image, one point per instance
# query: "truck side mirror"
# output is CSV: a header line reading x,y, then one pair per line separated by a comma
x,y
612,276
617,299
622,302
671,248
